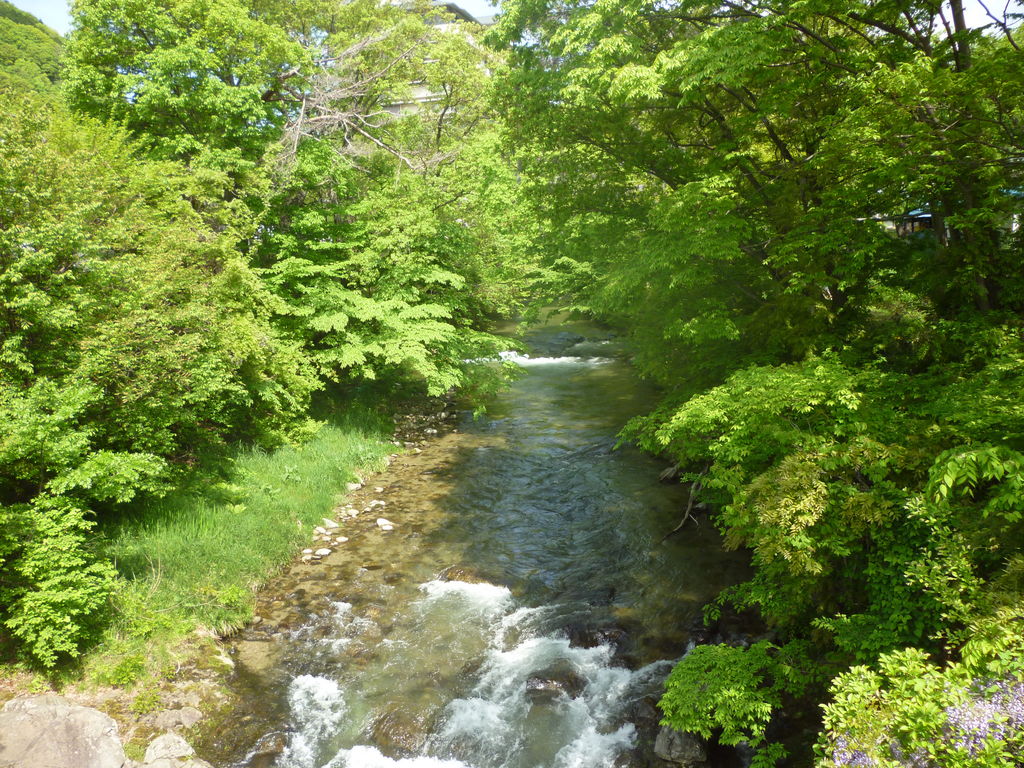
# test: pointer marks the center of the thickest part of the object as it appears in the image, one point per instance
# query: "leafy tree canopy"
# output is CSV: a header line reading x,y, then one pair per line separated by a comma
x,y
29,52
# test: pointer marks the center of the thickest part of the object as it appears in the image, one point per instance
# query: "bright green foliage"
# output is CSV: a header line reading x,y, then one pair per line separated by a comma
x,y
135,344
392,232
191,559
29,52
717,178
193,79
294,192
383,243
53,586
736,695
910,712
379,280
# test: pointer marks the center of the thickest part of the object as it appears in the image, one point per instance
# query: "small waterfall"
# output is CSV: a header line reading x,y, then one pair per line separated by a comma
x,y
528,360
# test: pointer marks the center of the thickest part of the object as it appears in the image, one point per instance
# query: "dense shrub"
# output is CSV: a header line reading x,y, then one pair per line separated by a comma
x,y
136,343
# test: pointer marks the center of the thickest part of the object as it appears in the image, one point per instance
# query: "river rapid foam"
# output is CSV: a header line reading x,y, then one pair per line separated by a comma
x,y
579,721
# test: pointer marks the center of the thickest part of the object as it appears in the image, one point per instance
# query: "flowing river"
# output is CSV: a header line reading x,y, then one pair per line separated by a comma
x,y
522,614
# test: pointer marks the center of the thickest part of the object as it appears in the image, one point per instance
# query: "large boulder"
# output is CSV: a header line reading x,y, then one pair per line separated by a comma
x,y
172,751
680,748
48,731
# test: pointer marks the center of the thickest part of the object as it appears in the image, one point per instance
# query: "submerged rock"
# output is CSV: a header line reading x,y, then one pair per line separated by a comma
x,y
631,759
400,733
583,636
459,573
544,343
267,750
560,679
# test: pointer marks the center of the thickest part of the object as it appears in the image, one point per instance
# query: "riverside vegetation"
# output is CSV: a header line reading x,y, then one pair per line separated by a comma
x,y
224,209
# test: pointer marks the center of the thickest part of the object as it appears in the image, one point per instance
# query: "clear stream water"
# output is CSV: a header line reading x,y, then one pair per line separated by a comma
x,y
563,620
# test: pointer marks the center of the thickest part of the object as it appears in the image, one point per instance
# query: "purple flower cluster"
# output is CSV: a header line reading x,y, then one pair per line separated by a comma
x,y
855,758
917,759
994,711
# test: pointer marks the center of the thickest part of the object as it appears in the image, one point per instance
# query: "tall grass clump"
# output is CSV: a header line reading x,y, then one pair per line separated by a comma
x,y
194,558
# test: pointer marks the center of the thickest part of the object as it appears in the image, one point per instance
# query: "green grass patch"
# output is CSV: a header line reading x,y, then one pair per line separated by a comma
x,y
193,560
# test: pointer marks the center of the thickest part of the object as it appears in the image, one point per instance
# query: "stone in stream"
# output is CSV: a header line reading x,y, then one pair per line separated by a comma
x,y
267,750
646,718
553,344
559,679
328,523
581,635
353,486
400,732
458,573
384,524
322,552
631,759
49,731
256,656
680,748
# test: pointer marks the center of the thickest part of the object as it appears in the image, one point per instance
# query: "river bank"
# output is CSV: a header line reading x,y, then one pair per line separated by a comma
x,y
173,678
190,566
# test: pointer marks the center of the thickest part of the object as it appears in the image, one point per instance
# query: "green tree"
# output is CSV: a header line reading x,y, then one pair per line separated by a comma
x,y
29,52
394,216
135,345
199,80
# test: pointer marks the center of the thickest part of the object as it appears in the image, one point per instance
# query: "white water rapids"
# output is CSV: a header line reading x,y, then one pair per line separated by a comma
x,y
496,723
